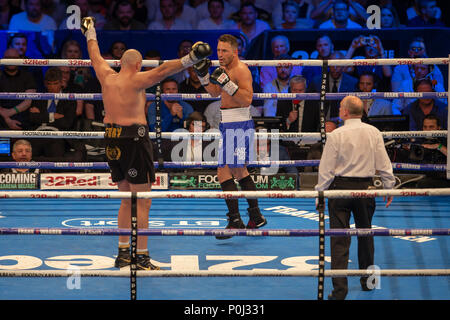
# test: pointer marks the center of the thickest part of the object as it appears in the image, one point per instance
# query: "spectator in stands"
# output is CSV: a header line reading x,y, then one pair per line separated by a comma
x,y
191,149
192,85
55,9
68,86
33,19
373,49
97,9
291,16
183,49
71,49
304,9
389,17
21,152
202,8
315,150
341,16
169,20
248,22
324,47
54,115
123,18
14,113
19,41
173,112
427,16
373,107
278,85
261,13
298,115
337,81
433,151
140,11
216,19
7,10
432,123
420,71
280,46
404,76
264,153
424,106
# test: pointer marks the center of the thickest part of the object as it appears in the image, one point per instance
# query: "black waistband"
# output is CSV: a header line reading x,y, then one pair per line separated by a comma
x,y
113,130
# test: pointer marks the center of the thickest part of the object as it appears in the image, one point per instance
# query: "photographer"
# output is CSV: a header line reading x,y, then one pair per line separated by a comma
x,y
431,151
373,49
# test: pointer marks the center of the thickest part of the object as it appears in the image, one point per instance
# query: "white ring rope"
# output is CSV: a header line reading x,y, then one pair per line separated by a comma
x,y
251,63
306,136
226,273
330,194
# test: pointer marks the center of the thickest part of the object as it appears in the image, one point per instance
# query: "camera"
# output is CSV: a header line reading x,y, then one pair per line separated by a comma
x,y
366,41
416,153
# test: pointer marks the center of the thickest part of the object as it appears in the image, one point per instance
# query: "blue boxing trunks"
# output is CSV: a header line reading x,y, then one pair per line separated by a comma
x,y
237,129
129,153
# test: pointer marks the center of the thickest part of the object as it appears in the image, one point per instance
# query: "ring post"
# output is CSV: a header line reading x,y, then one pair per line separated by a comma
x,y
134,232
321,206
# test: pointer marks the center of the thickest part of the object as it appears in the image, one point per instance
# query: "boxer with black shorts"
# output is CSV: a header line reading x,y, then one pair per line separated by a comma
x,y
128,147
129,153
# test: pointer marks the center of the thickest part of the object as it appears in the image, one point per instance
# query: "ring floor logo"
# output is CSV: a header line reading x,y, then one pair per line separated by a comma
x,y
206,223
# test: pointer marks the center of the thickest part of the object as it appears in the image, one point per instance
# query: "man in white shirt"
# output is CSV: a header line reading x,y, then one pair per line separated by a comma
x,y
216,19
249,24
352,155
169,20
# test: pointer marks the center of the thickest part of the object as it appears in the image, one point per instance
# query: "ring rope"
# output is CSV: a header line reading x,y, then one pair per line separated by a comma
x,y
330,194
305,136
383,232
207,96
428,167
231,273
250,63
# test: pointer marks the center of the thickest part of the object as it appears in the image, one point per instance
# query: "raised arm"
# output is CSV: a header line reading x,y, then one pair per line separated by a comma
x,y
101,67
199,51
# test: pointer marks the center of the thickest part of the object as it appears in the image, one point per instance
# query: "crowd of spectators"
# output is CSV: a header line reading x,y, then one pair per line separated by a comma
x,y
250,18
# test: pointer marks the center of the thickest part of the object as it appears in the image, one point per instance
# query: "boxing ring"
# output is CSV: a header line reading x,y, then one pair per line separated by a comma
x,y
67,238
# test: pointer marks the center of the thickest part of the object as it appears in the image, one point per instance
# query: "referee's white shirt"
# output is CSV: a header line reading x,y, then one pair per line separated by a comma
x,y
355,150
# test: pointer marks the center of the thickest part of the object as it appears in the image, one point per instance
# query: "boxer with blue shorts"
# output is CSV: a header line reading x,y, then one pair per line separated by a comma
x,y
233,82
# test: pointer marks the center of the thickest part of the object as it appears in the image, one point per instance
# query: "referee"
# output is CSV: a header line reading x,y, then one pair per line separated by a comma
x,y
352,155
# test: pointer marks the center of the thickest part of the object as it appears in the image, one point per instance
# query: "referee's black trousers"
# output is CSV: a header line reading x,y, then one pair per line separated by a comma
x,y
339,212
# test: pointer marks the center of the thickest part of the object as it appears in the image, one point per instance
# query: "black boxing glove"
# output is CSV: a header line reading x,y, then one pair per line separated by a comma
x,y
200,50
88,28
220,77
202,70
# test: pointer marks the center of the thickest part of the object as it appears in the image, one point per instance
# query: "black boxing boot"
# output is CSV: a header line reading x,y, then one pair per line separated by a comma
x,y
234,222
257,220
123,257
